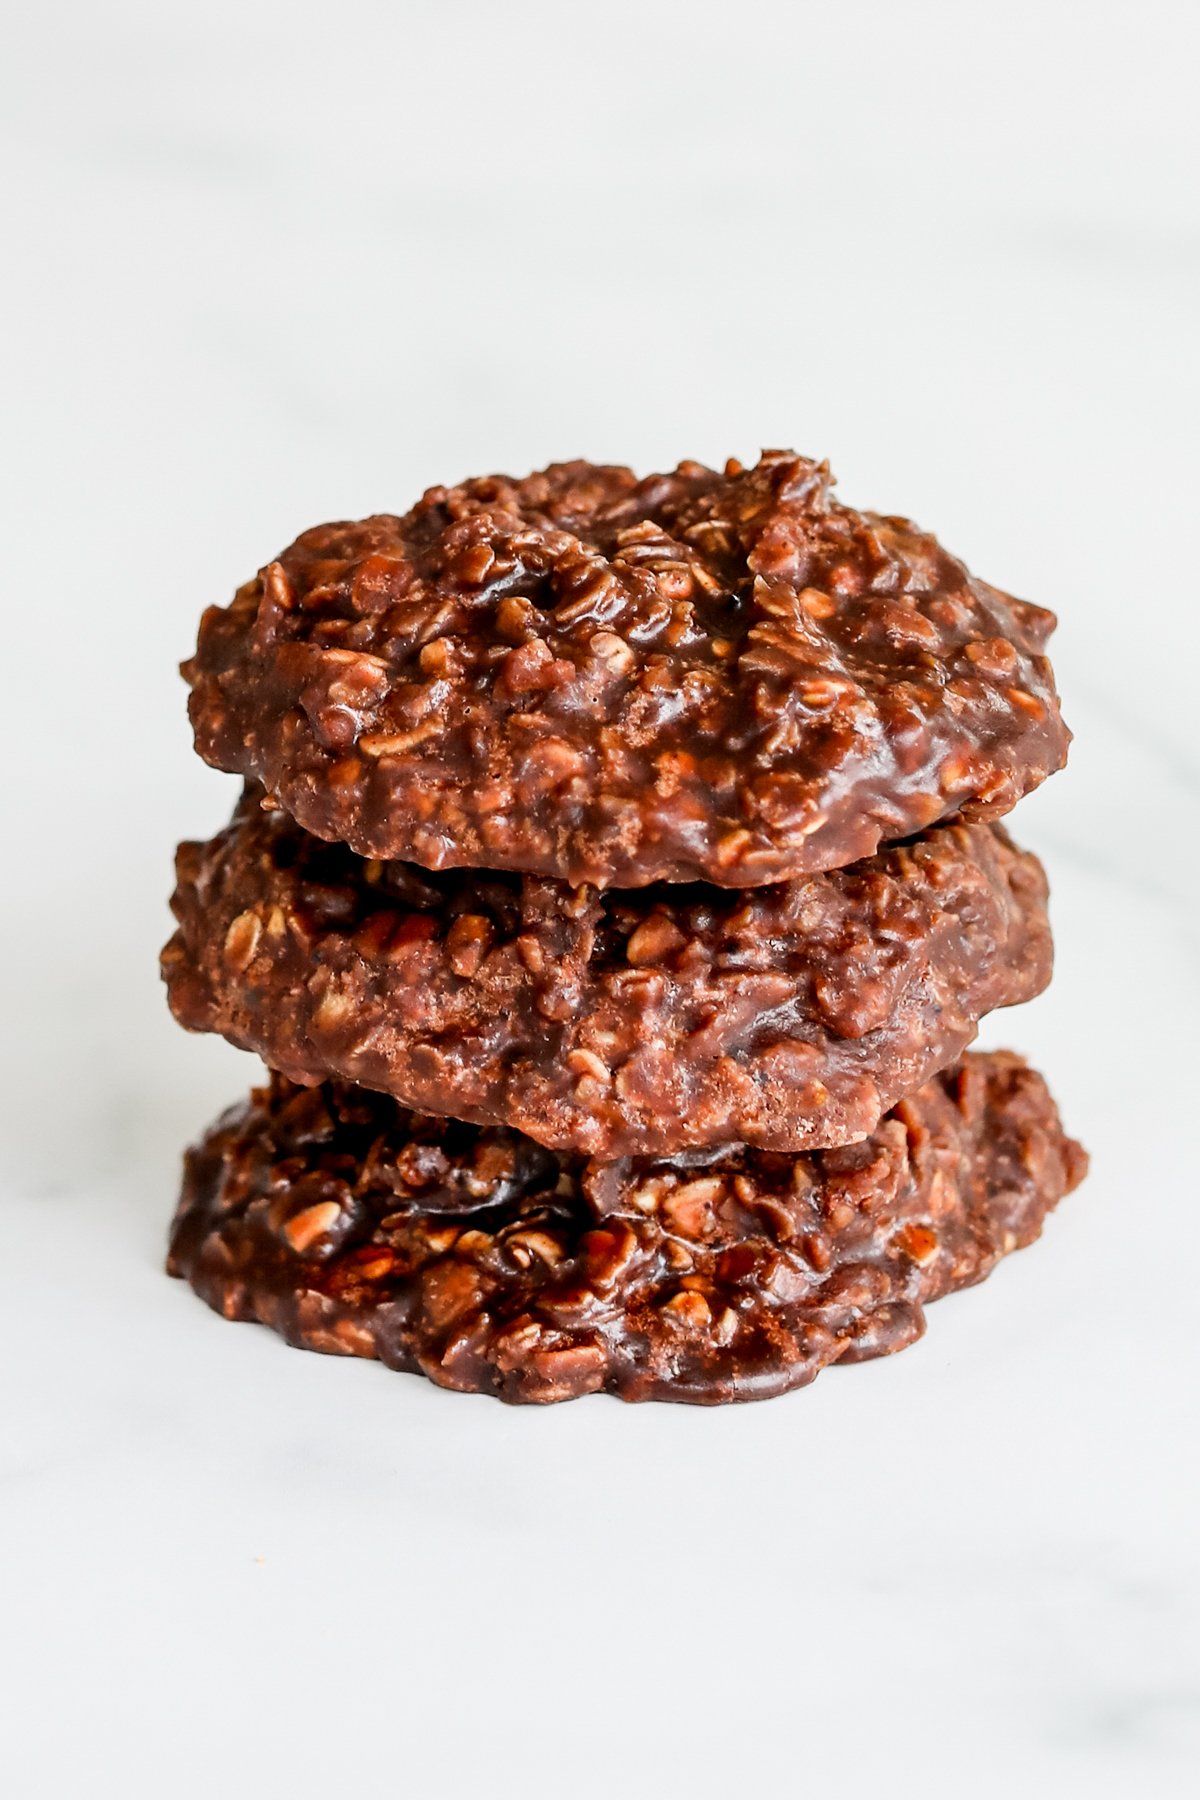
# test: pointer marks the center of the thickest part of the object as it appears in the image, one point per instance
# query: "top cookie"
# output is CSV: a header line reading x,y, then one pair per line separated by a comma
x,y
730,677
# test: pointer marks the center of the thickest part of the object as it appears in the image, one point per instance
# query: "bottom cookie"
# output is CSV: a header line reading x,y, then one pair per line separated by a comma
x,y
488,1263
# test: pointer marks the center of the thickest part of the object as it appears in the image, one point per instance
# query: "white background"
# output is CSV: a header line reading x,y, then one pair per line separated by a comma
x,y
271,264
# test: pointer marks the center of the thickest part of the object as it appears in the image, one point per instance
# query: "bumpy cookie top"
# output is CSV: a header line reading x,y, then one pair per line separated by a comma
x,y
726,676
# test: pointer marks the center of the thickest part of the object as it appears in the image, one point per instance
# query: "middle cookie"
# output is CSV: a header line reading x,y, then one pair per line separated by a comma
x,y
645,1022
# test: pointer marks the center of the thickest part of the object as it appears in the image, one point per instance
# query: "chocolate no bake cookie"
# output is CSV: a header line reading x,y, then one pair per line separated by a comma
x,y
488,1263
617,1023
698,675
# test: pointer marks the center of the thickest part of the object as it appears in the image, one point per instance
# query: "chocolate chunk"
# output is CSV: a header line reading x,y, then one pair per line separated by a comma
x,y
636,1022
726,676
488,1263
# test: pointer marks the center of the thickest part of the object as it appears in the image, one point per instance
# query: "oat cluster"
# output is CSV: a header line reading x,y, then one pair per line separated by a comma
x,y
615,890
699,676
618,1023
489,1264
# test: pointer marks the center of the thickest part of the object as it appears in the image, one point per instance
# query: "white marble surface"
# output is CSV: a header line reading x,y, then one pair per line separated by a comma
x,y
268,264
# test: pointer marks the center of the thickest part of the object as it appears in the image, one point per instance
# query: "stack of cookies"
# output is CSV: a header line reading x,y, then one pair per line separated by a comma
x,y
614,893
